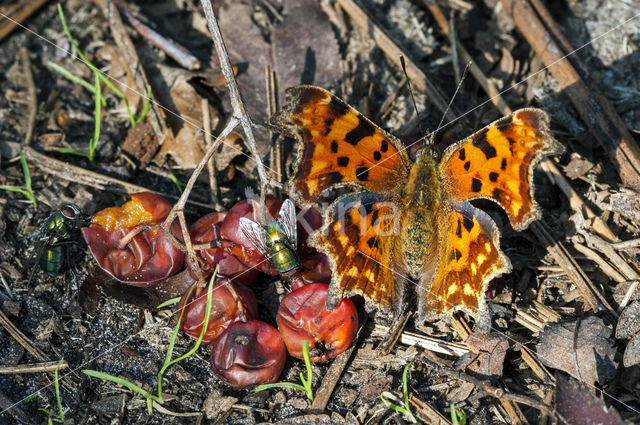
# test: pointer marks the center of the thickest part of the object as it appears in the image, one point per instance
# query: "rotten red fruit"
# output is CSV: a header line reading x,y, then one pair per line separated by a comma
x,y
248,354
207,230
230,302
128,243
302,316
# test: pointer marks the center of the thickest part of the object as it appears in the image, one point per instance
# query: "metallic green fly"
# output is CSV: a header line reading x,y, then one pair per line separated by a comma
x,y
277,240
54,233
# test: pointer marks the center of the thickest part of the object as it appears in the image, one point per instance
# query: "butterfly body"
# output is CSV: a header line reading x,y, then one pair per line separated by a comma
x,y
411,222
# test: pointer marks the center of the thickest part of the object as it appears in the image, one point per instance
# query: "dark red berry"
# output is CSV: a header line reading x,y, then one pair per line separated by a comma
x,y
224,309
302,316
248,354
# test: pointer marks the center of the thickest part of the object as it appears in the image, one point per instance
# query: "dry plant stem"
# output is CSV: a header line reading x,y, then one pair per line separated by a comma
x,y
239,112
427,413
487,84
588,290
489,390
33,368
89,178
178,207
33,98
19,14
594,108
195,266
576,202
134,67
170,47
604,266
206,125
394,52
426,342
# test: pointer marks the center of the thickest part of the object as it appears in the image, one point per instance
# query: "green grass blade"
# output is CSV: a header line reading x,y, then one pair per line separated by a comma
x,y
97,111
74,79
167,303
145,109
120,381
73,152
263,387
27,180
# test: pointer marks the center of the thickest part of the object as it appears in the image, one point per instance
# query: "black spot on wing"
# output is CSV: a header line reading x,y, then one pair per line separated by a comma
x,y
458,254
362,130
377,156
462,154
328,123
372,242
504,124
384,146
332,178
343,161
459,229
503,164
467,165
480,142
467,223
362,174
476,185
493,176
337,108
334,146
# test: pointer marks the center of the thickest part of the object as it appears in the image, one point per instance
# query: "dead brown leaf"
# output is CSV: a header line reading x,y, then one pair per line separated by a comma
x,y
582,348
578,406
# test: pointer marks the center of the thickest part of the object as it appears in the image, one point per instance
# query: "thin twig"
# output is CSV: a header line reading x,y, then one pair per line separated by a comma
x,y
239,112
33,368
208,142
491,391
33,98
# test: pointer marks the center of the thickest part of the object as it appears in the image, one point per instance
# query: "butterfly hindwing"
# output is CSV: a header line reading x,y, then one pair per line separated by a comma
x,y
497,163
340,146
469,258
358,236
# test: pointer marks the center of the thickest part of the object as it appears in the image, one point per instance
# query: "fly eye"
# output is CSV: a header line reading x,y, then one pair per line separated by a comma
x,y
69,211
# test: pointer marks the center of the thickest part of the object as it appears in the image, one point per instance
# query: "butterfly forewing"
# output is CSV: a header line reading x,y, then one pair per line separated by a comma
x,y
340,146
497,163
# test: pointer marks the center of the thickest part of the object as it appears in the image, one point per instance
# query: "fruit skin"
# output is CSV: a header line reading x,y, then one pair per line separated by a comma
x,y
224,309
248,354
207,229
302,316
146,258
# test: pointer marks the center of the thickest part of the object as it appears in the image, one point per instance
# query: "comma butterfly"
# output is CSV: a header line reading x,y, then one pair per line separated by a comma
x,y
412,220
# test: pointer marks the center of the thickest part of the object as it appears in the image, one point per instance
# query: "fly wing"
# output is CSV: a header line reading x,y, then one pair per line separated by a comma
x,y
256,234
287,216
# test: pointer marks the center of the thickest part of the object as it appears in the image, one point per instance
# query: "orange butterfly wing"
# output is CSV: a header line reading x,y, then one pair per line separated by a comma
x,y
340,146
358,236
497,163
469,257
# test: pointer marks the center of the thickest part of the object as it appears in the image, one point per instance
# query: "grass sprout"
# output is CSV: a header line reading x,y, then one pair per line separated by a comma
x,y
306,383
27,190
168,361
457,416
57,417
97,93
401,406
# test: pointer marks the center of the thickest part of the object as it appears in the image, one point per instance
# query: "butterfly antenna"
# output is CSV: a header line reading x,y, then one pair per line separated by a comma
x,y
464,76
415,106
